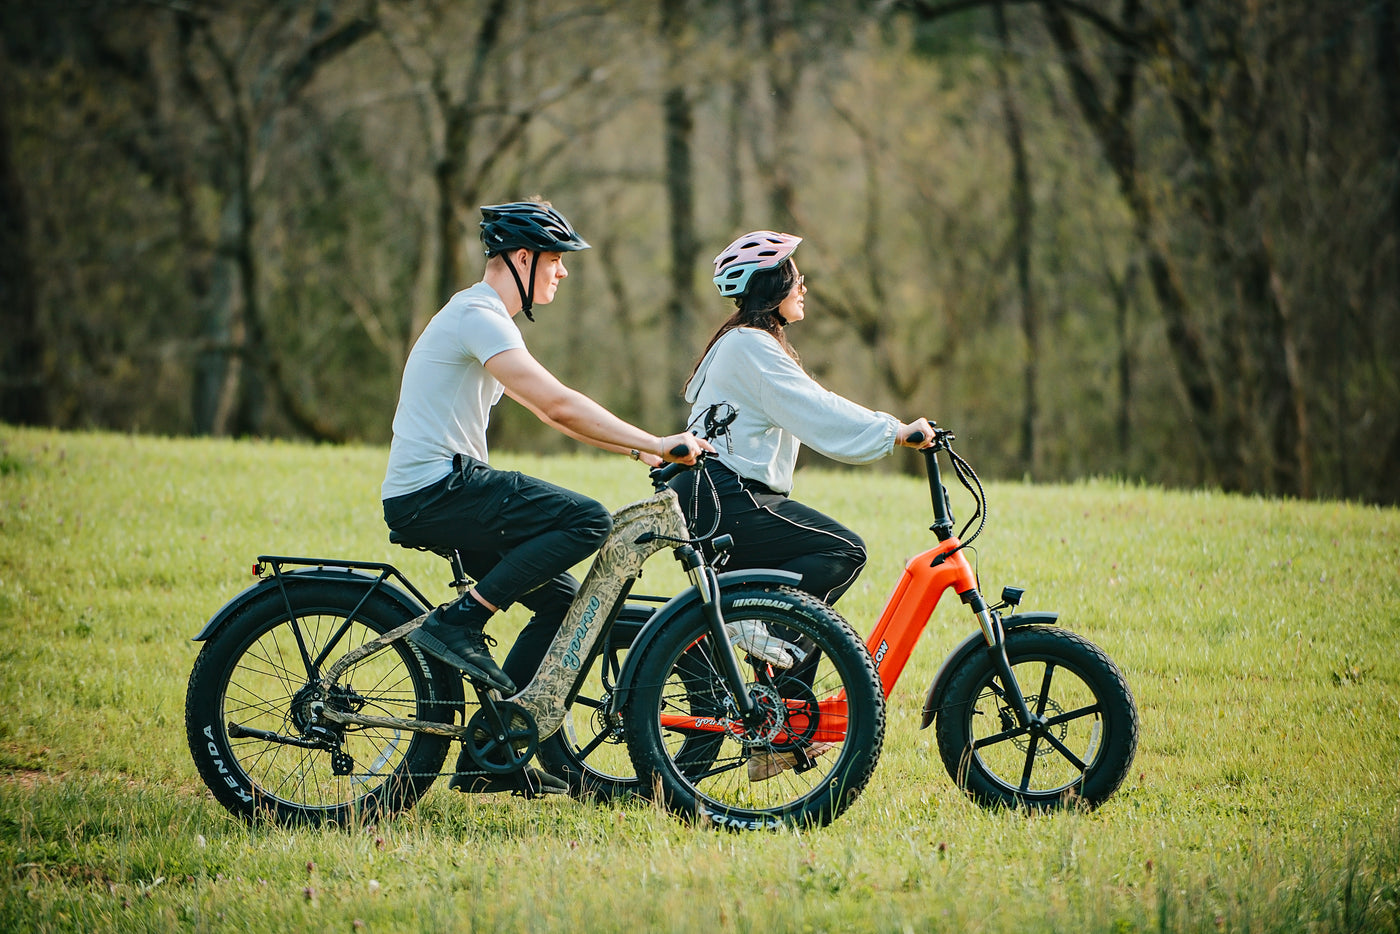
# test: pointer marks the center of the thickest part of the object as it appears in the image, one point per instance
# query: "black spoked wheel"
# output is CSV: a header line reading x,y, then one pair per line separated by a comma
x,y
1083,737
802,762
251,709
589,750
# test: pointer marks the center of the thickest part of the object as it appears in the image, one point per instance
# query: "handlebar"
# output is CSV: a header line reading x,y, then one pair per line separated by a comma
x,y
662,475
943,520
942,437
717,420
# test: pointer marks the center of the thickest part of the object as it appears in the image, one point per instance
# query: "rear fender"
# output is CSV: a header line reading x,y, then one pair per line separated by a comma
x,y
354,580
684,602
933,700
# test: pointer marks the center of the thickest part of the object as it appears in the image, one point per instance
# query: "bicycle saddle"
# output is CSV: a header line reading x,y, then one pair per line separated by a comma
x,y
407,541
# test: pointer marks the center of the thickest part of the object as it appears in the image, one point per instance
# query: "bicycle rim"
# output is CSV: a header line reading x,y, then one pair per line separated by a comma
x,y
267,690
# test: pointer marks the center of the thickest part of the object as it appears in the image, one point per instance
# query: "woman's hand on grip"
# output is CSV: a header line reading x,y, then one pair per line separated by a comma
x,y
916,434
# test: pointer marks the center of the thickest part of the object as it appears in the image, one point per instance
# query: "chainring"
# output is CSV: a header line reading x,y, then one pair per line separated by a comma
x,y
505,747
803,714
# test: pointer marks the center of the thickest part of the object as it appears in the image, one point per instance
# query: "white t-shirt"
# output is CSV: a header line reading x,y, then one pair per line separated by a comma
x,y
447,393
781,408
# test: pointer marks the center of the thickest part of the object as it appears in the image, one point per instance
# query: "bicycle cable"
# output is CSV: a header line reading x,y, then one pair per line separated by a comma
x,y
965,473
716,421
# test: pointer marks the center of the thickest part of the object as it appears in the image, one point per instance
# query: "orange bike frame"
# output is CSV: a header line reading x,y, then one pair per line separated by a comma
x,y
911,605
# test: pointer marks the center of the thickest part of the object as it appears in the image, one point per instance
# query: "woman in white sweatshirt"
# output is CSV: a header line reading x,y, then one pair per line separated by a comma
x,y
750,366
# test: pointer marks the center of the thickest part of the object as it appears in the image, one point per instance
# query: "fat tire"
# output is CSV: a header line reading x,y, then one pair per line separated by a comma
x,y
251,670
1081,676
706,780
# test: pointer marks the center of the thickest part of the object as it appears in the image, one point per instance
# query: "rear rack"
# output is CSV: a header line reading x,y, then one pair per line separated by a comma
x,y
382,571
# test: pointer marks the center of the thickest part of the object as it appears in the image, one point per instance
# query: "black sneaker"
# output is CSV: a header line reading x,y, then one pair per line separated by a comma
x,y
462,645
536,782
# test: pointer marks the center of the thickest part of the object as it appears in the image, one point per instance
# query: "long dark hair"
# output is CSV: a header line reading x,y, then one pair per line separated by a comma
x,y
758,308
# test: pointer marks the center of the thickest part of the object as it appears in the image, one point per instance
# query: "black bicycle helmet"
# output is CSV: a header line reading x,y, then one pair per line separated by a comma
x,y
527,225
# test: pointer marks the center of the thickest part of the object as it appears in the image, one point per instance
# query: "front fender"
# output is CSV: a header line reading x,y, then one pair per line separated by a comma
x,y
933,700
351,578
681,603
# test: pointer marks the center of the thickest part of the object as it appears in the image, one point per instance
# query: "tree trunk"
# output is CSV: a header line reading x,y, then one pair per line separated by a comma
x,y
1023,221
783,57
457,183
1122,291
218,370
678,128
232,376
1188,346
23,399
1387,14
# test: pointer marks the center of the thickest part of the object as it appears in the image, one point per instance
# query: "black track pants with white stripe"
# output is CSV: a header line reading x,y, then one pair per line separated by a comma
x,y
771,530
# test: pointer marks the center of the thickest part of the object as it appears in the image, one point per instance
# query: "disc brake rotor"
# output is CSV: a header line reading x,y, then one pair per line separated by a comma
x,y
774,711
1059,730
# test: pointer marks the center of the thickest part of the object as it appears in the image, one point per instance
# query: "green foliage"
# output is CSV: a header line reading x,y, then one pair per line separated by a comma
x,y
1265,796
1246,132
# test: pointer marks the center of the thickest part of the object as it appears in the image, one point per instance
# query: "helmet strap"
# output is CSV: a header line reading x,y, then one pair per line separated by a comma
x,y
527,298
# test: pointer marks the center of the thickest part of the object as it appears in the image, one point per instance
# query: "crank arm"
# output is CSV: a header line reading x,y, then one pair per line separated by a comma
x,y
711,773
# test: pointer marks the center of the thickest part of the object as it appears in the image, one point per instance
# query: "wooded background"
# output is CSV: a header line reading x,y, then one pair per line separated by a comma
x,y
1158,239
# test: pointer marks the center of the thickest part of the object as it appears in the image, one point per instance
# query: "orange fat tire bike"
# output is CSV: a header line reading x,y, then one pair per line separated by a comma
x,y
1026,713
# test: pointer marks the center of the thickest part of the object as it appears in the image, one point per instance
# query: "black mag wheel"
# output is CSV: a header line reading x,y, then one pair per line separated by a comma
x,y
589,750
803,762
1083,740
252,690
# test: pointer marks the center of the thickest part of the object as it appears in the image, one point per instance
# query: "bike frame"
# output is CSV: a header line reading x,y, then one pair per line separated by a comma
x,y
926,577
639,531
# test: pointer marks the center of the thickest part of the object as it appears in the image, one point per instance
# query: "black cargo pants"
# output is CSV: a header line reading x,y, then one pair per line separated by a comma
x,y
517,536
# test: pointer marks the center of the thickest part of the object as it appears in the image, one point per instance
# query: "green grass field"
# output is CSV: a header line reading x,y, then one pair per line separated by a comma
x,y
1258,636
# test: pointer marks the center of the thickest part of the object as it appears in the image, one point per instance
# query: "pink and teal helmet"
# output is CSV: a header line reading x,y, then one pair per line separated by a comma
x,y
761,249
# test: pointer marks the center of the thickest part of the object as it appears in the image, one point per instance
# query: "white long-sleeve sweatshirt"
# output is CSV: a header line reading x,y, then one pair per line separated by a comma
x,y
781,408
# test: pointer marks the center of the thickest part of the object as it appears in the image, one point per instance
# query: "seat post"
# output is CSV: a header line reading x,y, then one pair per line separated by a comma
x,y
460,581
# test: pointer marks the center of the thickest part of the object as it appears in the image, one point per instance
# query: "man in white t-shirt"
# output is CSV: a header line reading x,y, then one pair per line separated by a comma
x,y
517,535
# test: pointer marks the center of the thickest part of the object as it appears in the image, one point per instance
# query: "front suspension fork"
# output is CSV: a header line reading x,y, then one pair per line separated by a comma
x,y
992,631
706,583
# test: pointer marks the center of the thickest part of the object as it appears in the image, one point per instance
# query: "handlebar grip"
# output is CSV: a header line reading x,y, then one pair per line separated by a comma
x,y
663,474
915,437
680,450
